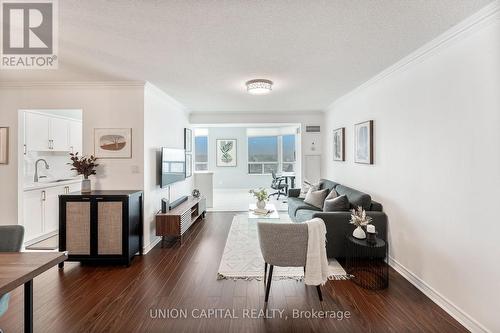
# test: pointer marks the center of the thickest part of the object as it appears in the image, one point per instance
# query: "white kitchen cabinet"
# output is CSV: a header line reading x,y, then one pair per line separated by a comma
x,y
75,136
51,209
36,129
51,133
33,214
41,210
59,134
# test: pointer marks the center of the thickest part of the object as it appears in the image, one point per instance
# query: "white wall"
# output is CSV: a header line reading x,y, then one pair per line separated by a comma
x,y
308,118
103,105
437,169
164,123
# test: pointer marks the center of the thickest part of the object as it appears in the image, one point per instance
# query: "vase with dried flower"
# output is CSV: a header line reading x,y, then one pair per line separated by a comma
x,y
360,220
261,196
85,166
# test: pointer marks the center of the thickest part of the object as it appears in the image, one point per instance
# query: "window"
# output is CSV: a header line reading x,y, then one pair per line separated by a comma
x,y
262,154
288,153
200,150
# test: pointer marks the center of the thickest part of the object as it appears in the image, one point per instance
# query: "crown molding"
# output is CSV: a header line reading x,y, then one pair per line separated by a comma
x,y
474,22
37,84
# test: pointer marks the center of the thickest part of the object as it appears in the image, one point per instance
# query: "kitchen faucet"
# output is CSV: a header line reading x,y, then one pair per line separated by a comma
x,y
35,178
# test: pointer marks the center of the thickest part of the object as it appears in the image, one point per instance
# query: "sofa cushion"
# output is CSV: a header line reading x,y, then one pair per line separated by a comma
x,y
306,186
294,204
325,183
304,215
332,195
316,198
355,197
337,204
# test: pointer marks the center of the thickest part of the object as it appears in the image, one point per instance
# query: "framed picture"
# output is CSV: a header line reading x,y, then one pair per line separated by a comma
x,y
113,142
189,165
188,140
4,145
339,144
363,142
226,152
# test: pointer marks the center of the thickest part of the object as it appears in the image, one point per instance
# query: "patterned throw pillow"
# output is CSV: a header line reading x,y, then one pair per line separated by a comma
x,y
316,198
306,185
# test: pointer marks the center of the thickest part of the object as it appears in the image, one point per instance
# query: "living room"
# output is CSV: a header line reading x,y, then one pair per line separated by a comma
x,y
363,129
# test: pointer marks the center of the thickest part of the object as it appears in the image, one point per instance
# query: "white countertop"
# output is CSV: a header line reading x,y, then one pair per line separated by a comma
x,y
46,184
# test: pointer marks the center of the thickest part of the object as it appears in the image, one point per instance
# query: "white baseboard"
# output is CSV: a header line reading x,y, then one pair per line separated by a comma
x,y
150,246
463,318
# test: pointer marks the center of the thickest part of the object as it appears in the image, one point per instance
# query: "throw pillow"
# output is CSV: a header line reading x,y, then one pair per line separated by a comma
x,y
306,185
316,198
332,195
338,204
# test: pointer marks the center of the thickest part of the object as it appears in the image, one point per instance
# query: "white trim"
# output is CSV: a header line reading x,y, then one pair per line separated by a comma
x,y
483,16
453,310
151,245
34,84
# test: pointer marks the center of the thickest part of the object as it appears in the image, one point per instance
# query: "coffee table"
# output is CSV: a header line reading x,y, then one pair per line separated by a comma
x,y
272,216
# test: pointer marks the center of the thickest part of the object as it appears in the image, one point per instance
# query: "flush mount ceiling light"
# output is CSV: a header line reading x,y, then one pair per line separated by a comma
x,y
259,86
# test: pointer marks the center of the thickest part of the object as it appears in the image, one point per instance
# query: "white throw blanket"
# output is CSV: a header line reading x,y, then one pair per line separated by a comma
x,y
317,270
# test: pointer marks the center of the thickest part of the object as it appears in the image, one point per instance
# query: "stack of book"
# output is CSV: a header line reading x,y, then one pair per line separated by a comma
x,y
263,212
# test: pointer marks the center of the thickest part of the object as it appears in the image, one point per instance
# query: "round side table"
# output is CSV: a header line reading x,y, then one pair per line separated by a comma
x,y
366,262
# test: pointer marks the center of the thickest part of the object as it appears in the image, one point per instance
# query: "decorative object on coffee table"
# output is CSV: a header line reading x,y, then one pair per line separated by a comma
x,y
196,193
366,263
360,220
113,142
261,196
371,234
363,142
85,166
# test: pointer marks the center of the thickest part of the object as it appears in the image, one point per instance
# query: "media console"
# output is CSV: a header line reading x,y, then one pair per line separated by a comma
x,y
177,221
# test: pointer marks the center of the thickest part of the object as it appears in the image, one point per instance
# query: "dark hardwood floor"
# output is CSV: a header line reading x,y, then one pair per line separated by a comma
x,y
119,299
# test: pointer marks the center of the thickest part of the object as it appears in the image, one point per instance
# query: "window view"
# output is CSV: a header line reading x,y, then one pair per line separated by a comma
x,y
262,154
288,155
271,153
200,152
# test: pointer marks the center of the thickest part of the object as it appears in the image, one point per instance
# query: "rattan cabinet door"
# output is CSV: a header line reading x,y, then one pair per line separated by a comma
x,y
109,227
78,228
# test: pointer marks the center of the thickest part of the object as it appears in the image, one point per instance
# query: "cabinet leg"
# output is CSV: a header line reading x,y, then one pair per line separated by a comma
x,y
61,265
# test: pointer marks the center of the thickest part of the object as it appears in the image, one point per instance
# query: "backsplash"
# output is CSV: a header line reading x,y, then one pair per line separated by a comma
x,y
57,163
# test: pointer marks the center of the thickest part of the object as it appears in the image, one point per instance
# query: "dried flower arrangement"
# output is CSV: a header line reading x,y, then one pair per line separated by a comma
x,y
359,217
83,165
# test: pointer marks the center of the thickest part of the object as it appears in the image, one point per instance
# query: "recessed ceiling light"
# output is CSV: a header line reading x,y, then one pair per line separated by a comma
x,y
259,86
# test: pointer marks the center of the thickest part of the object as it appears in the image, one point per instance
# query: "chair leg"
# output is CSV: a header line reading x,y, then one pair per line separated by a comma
x,y
320,295
269,279
265,273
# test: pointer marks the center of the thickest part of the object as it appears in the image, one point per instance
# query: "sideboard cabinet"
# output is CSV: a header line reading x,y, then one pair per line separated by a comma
x,y
101,226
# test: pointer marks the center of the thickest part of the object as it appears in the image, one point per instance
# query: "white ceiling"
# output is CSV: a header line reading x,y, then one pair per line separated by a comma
x,y
201,52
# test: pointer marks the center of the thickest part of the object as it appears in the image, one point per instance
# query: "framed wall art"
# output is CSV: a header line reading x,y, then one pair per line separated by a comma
x,y
226,152
363,142
113,142
339,144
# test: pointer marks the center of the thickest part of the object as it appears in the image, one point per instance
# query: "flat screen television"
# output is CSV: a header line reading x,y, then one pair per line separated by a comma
x,y
173,166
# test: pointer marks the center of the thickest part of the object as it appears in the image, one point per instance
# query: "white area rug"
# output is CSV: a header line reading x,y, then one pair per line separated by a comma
x,y
242,258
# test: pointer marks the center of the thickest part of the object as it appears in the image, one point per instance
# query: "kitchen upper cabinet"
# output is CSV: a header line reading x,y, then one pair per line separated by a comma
x,y
59,134
36,129
51,133
75,136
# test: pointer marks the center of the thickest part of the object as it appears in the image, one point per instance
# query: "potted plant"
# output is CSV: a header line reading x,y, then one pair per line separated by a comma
x,y
85,166
261,196
359,219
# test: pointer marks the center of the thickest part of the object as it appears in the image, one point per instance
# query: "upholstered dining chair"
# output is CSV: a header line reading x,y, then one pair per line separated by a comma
x,y
11,240
283,245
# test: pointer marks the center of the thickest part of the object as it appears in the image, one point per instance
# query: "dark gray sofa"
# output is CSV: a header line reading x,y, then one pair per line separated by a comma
x,y
337,223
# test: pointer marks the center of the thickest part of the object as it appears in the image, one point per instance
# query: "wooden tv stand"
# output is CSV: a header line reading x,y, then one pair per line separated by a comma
x,y
178,220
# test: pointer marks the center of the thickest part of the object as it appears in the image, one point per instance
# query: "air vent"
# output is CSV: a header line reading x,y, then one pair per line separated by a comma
x,y
312,129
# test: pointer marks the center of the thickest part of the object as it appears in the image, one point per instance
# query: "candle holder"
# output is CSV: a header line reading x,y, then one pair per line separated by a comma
x,y
371,238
